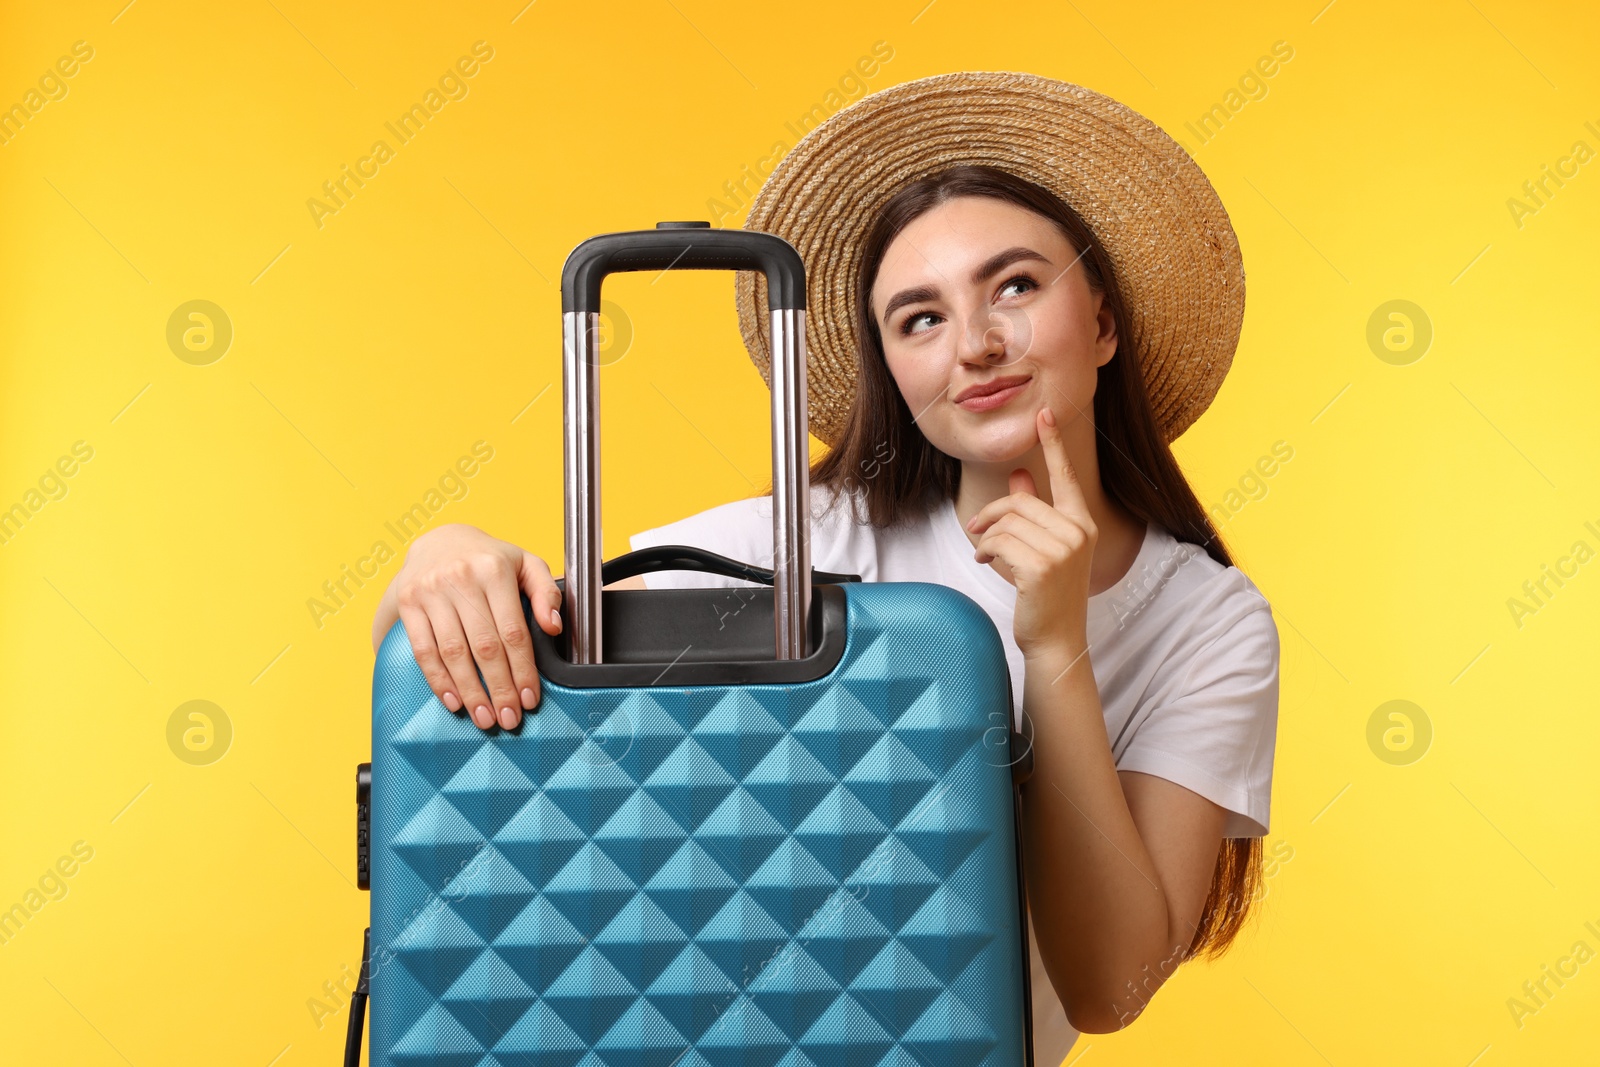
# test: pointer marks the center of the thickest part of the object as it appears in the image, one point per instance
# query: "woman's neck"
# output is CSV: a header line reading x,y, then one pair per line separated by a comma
x,y
1121,533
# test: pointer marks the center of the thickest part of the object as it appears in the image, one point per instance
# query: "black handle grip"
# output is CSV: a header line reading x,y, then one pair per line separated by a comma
x,y
678,246
688,558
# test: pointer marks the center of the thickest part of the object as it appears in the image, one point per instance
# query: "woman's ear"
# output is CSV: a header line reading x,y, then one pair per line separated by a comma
x,y
1105,342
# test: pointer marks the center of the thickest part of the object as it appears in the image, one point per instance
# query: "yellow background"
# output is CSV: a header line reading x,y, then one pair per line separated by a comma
x,y
370,353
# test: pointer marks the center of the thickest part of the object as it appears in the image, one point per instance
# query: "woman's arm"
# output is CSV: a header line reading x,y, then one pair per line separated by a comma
x,y
387,615
1119,863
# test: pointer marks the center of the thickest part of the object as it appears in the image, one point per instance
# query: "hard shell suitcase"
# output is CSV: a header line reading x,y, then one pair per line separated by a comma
x,y
719,839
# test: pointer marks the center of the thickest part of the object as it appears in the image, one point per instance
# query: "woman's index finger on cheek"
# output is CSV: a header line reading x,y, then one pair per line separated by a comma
x,y
1065,492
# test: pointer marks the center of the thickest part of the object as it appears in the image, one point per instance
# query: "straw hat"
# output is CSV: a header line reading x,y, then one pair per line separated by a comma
x,y
1159,219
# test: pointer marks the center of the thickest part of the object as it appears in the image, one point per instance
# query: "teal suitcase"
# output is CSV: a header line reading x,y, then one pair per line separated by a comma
x,y
785,835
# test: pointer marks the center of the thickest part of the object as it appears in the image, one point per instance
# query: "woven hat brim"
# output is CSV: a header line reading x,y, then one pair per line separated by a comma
x,y
1160,221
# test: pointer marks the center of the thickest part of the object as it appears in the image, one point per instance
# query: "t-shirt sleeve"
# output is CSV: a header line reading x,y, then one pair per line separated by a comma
x,y
1216,734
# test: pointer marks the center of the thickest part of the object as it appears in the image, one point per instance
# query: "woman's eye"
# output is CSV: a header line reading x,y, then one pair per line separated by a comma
x,y
909,326
1021,279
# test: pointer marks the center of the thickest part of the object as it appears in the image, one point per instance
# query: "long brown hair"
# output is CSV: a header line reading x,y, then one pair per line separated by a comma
x,y
883,460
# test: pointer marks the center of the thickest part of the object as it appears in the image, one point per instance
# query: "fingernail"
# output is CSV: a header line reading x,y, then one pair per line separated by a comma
x,y
527,698
508,717
1049,417
483,717
452,702
555,617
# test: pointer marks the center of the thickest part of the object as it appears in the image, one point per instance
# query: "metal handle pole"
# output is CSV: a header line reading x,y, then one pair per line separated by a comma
x,y
791,486
582,277
580,408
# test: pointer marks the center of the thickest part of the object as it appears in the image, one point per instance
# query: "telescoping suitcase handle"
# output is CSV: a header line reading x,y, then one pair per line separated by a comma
x,y
685,246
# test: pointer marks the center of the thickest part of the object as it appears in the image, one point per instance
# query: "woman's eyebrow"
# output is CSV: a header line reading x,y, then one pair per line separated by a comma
x,y
909,296
988,268
1001,260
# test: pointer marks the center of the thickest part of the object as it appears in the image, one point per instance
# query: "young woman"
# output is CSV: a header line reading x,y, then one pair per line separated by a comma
x,y
998,433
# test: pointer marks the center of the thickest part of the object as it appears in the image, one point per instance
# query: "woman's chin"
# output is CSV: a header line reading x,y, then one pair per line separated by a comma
x,y
997,441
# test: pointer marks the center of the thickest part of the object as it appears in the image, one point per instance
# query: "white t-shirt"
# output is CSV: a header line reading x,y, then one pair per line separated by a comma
x,y
1184,653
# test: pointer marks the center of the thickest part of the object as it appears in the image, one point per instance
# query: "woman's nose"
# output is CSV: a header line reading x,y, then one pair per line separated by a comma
x,y
993,335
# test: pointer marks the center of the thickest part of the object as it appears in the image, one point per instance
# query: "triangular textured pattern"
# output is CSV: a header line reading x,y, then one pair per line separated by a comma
x,y
692,886
844,936
890,780
437,842
793,991
803,875
590,995
738,732
689,783
489,893
643,1037
899,1057
437,758
796,1058
437,1040
640,837
790,782
641,942
791,885
931,729
952,1031
945,828
896,986
692,992
848,1034
488,790
540,1033
742,1036
539,943
741,938
947,933
841,832
437,947
741,831
893,884
838,730
588,792
561,737
540,839
488,998
638,735
590,890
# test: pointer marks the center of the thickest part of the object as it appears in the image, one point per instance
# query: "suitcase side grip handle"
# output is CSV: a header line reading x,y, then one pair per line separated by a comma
x,y
681,247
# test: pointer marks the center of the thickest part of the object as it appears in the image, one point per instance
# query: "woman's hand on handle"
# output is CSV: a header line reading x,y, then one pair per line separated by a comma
x,y
457,593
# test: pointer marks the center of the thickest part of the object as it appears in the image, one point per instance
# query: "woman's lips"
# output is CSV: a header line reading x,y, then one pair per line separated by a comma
x,y
990,401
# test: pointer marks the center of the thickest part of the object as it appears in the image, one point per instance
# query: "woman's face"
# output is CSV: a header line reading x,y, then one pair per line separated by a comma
x,y
977,292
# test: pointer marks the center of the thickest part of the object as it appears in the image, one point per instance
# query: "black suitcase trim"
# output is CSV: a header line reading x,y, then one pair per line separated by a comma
x,y
673,638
